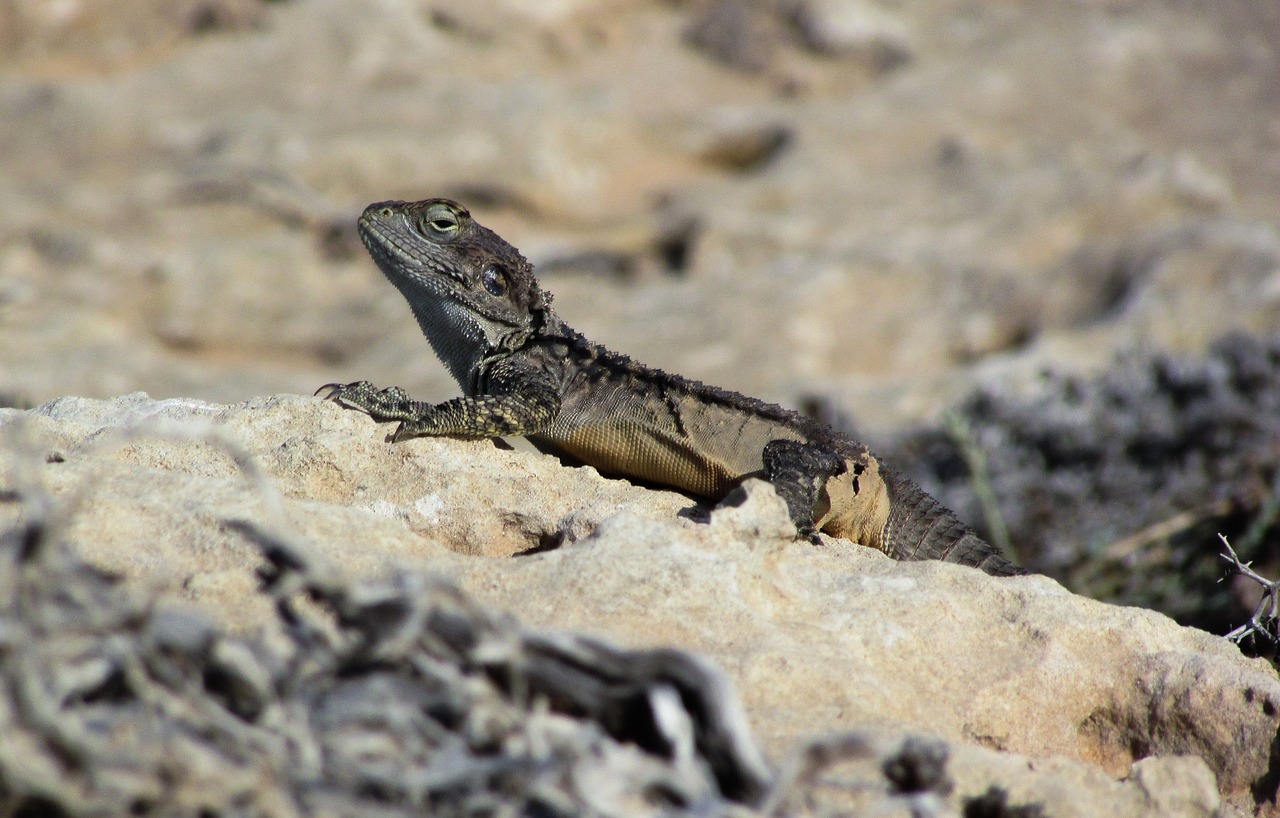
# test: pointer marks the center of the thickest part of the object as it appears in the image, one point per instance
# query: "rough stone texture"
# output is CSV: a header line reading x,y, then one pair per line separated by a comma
x,y
898,203
1117,484
1050,696
1012,665
339,479
393,696
1038,183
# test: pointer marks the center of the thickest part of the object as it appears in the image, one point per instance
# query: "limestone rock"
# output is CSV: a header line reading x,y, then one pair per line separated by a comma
x,y
1051,697
1013,665
339,481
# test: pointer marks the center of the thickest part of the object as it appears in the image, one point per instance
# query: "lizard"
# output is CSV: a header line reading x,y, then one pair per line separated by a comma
x,y
524,372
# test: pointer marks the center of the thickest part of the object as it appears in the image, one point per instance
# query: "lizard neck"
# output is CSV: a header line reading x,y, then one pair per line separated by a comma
x,y
465,340
457,336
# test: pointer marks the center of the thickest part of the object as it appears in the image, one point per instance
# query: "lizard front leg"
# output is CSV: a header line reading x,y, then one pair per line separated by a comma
x,y
798,472
518,402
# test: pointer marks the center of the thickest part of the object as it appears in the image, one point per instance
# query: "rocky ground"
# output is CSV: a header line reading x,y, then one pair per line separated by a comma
x,y
902,202
1042,217
1067,706
1117,483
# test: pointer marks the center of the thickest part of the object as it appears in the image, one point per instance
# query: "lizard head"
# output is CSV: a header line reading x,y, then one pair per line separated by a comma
x,y
455,271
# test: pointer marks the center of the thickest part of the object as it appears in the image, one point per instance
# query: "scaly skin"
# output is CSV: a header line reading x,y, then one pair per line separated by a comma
x,y
524,372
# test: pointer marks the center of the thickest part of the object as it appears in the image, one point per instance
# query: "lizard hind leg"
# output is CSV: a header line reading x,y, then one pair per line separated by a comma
x,y
798,472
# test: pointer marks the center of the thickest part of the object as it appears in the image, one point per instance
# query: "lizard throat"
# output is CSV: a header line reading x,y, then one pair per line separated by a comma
x,y
454,334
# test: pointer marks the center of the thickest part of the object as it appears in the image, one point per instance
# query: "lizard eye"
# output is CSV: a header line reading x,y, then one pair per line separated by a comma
x,y
493,279
439,222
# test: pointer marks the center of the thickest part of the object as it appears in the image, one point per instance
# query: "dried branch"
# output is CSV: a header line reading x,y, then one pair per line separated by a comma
x,y
1265,620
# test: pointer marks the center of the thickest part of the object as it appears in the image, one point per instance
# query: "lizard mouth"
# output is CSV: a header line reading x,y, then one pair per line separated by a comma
x,y
391,253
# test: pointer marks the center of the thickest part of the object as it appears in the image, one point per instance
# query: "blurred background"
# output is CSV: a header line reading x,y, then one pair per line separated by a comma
x,y
1026,248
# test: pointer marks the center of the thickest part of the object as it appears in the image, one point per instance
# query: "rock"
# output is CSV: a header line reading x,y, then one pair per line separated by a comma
x,y
1020,666
338,478
750,35
1052,698
917,222
1177,449
855,28
77,35
392,696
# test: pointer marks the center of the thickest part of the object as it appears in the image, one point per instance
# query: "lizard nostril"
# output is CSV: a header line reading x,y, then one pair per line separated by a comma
x,y
385,212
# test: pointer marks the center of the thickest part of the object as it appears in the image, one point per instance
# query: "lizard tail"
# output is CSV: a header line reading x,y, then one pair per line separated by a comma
x,y
921,528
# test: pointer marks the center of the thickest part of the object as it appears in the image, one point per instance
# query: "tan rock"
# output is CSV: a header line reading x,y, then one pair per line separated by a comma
x,y
340,482
173,174
1043,693
1015,665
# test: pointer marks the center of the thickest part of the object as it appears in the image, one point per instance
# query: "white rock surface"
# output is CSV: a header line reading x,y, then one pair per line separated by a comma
x,y
1056,698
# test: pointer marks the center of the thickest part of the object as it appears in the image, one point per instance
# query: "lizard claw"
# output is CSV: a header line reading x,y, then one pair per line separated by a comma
x,y
334,389
808,533
338,392
401,433
349,395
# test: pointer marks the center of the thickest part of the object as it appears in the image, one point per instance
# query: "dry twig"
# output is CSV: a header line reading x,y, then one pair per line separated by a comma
x,y
1265,620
